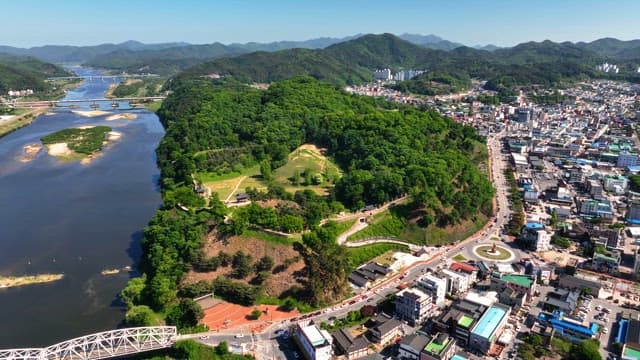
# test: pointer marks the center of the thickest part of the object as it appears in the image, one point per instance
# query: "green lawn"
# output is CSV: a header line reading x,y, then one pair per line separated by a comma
x,y
153,106
362,254
459,257
393,223
341,226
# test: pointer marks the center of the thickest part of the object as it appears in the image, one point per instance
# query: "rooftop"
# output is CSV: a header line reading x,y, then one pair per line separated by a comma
x,y
520,280
488,323
465,321
314,335
438,344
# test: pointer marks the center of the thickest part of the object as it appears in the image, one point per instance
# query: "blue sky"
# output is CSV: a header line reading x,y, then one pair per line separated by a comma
x,y
471,22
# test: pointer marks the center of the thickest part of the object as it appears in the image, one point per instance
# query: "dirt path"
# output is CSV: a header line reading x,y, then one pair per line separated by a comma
x,y
357,226
235,189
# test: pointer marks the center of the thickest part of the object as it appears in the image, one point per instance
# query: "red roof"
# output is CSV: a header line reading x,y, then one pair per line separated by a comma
x,y
459,266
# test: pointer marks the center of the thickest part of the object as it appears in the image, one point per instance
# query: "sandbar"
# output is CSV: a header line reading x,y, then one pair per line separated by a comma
x,y
125,116
30,151
90,113
13,281
59,149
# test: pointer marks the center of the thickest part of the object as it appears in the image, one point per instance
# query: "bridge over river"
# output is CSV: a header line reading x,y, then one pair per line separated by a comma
x,y
102,77
70,103
103,345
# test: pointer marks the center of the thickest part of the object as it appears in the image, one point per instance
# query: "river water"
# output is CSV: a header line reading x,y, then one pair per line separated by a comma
x,y
76,219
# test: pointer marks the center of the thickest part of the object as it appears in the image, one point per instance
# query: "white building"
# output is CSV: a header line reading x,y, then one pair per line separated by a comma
x,y
456,282
543,240
382,75
611,182
414,306
434,286
315,343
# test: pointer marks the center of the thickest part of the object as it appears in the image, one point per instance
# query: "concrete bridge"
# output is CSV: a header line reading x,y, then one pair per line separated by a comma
x,y
59,103
102,77
103,345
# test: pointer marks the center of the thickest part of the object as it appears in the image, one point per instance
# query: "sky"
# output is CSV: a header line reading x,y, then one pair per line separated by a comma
x,y
27,23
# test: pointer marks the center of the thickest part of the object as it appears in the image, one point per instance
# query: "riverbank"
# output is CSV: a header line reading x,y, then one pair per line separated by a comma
x,y
15,281
16,122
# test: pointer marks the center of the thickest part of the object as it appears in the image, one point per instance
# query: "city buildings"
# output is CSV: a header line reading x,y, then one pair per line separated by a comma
x,y
314,342
434,286
441,347
414,306
489,328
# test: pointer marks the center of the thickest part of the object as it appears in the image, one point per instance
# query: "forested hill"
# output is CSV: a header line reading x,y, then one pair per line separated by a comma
x,y
387,149
21,72
544,63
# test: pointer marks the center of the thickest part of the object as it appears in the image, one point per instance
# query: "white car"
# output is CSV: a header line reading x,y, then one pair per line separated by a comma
x,y
605,330
239,336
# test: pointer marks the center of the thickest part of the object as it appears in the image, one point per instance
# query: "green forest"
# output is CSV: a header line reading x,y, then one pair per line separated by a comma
x,y
386,151
21,72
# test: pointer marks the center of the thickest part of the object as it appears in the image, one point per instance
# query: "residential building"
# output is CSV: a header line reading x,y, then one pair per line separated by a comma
x,y
615,183
489,328
633,214
385,330
577,282
576,175
411,346
314,342
434,286
382,74
460,319
595,188
441,347
606,262
561,299
414,306
465,268
456,282
626,159
524,284
350,347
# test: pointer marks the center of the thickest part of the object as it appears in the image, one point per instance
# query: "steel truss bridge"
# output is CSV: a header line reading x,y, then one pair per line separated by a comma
x,y
103,345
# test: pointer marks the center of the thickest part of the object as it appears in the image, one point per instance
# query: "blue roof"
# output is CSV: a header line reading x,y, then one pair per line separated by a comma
x,y
458,357
488,323
622,331
561,325
634,221
534,225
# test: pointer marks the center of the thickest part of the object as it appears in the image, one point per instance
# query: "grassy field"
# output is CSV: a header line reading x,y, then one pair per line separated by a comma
x,y
362,254
459,257
306,157
153,106
393,223
342,226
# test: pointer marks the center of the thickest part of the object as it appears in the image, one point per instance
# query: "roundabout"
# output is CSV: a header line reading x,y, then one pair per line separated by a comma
x,y
493,253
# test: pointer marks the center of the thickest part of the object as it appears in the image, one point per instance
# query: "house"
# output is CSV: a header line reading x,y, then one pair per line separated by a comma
x,y
524,284
350,347
434,286
385,330
460,319
441,347
411,346
468,269
561,299
242,197
456,282
370,272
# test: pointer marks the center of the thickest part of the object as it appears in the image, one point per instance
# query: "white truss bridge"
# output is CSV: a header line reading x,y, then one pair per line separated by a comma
x,y
103,345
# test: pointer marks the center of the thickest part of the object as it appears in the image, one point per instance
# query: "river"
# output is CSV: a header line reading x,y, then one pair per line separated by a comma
x,y
76,219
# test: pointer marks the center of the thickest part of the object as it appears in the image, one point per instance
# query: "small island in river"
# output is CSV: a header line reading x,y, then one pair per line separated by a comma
x,y
13,281
80,143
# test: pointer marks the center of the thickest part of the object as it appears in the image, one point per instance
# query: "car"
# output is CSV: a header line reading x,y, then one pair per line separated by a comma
x,y
606,310
598,307
605,331
205,337
239,336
